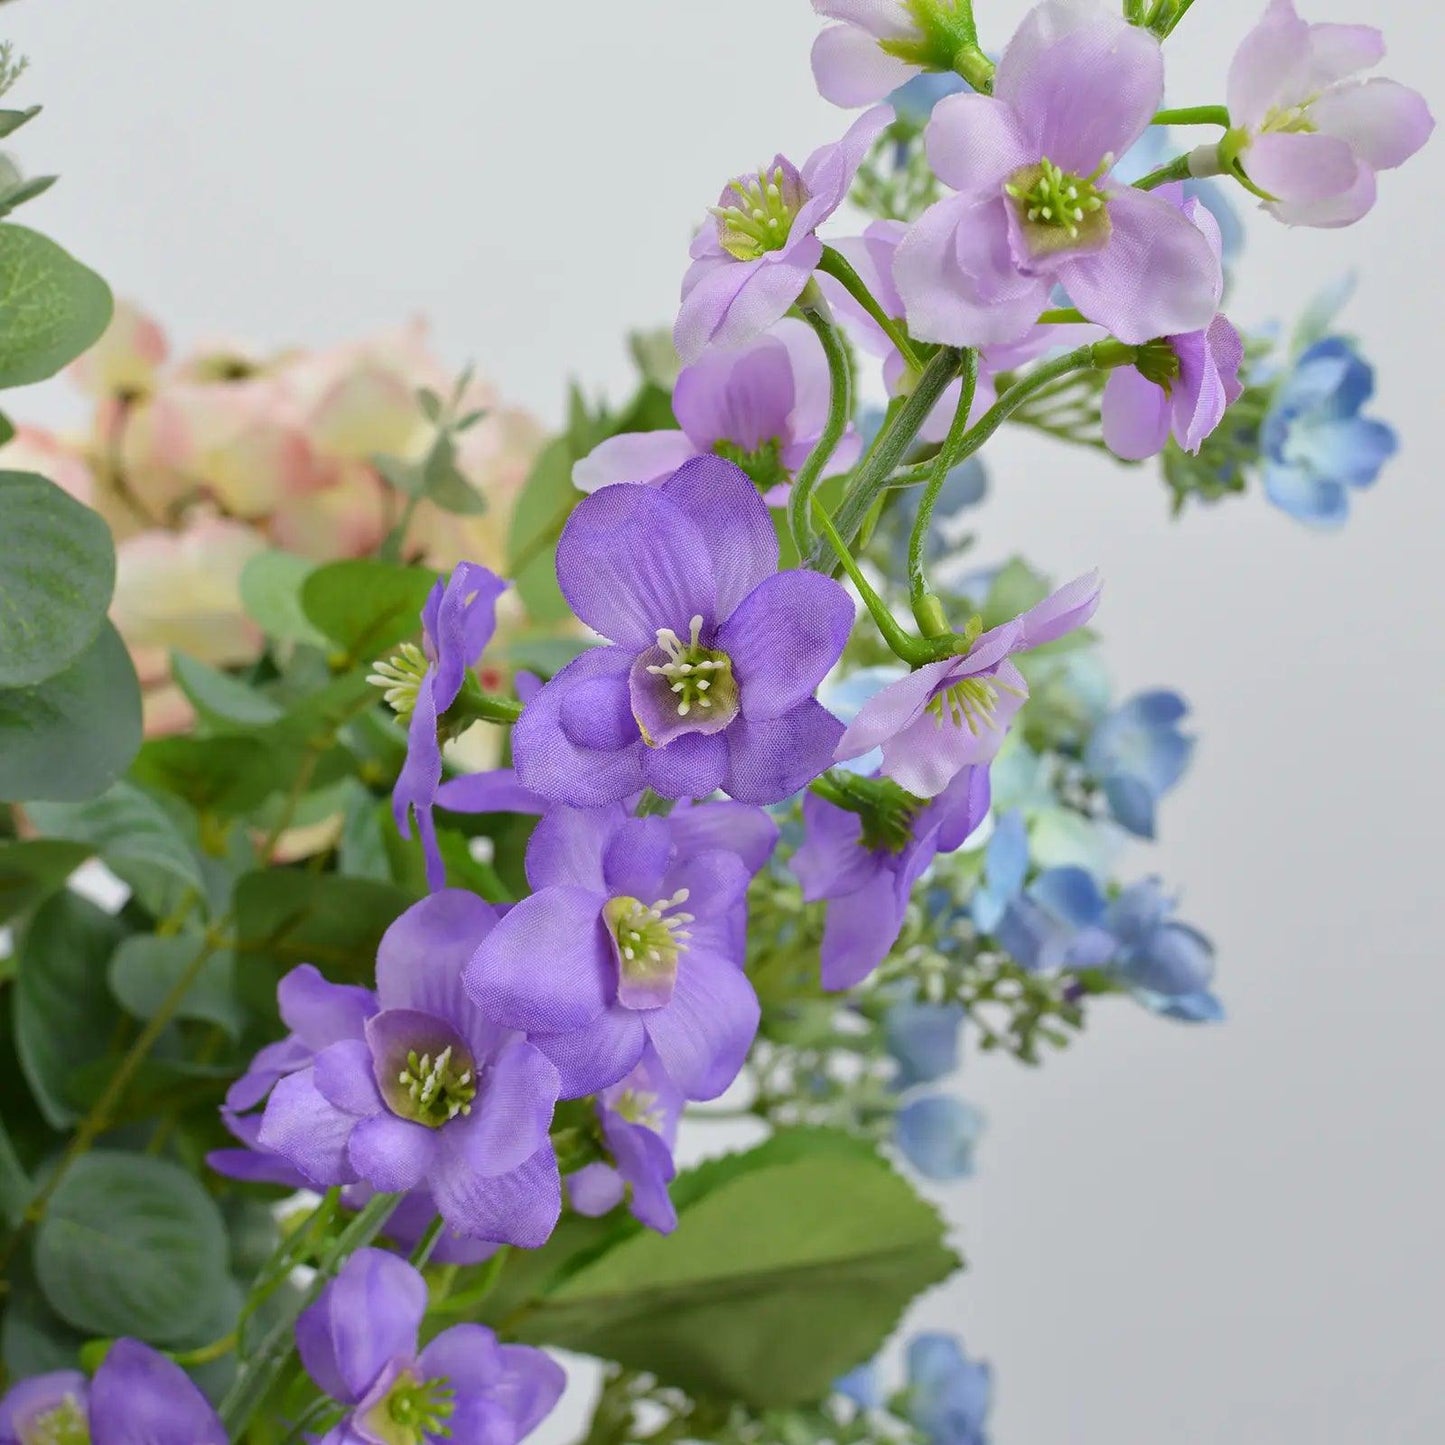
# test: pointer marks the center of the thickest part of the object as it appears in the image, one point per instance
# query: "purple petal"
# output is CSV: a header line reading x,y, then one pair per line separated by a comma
x,y
896,707
272,1062
303,1128
976,142
511,1114
139,1397
703,1036
716,883
636,859
832,860
744,396
417,784
784,639
1335,211
1062,612
595,1190
393,1155
631,561
520,1385
249,1167
810,384
829,172
319,1012
770,761
722,502
1267,57
852,69
346,1078
39,1395
646,1163
567,848
728,302
1136,415
369,1315
520,1208
495,792
735,827
639,457
1156,276
596,1057
691,766
861,928
960,809
1300,167
547,967
461,625
1382,122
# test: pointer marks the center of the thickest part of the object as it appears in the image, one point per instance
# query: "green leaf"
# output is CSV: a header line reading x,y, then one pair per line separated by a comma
x,y
367,607
789,1266
131,1246
271,585
34,1340
51,307
30,872
18,194
220,699
16,1187
135,839
229,774
12,120
146,968
63,1013
71,736
445,484
542,511
57,573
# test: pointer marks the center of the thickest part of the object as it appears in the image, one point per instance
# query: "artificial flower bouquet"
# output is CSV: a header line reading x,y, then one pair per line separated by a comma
x,y
414,825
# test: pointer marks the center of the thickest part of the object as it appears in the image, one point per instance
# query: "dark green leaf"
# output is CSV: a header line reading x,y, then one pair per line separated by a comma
x,y
789,1266
30,872
74,734
131,1246
12,120
57,573
51,307
16,1187
542,511
220,699
229,774
34,1340
63,1013
271,594
146,968
367,607
446,485
17,195
7,430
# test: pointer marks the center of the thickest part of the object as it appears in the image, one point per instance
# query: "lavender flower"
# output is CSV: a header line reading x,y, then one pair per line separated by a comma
x,y
427,1091
639,1118
359,1343
882,44
632,938
1035,204
457,624
865,862
137,1398
1313,134
755,255
708,682
763,405
954,714
1182,384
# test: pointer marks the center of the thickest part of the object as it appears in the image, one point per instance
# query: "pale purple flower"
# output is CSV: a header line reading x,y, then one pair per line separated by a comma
x,y
713,659
1315,134
865,867
756,253
763,405
1036,206
138,1397
1182,384
427,1092
882,44
954,714
639,1118
360,1343
631,939
458,622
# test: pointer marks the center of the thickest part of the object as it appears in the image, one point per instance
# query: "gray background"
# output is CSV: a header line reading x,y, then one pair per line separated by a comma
x,y
1228,1235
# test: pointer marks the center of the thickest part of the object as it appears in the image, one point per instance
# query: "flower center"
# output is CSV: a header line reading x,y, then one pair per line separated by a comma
x,y
971,702
648,941
423,1407
1289,120
1061,210
438,1089
400,678
637,1106
761,219
62,1424
700,678
764,464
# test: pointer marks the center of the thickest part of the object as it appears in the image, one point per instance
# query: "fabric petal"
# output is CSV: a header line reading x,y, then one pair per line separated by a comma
x,y
851,68
568,846
139,1397
975,142
1136,415
511,1114
520,1208
1062,612
346,1078
892,709
770,761
1300,167
691,766
731,302
703,1036
1384,123
497,791
644,458
320,1012
1334,211
861,928
743,396
1266,58
303,1128
393,1155
596,1057
735,827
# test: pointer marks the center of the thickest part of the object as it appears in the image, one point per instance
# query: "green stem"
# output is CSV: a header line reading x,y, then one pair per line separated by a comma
x,y
943,464
427,1244
840,409
1176,170
474,705
837,265
1062,316
1195,115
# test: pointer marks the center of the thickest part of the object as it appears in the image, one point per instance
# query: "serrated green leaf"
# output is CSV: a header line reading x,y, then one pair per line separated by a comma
x,y
365,606
31,871
57,573
271,585
147,967
131,1246
51,307
71,736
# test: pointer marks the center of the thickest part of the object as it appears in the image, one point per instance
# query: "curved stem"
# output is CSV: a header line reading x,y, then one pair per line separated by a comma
x,y
1195,115
840,408
943,464
837,265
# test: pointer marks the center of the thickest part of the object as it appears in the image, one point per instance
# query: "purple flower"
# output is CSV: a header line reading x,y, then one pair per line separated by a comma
x,y
137,1398
882,44
708,682
865,863
953,714
632,938
1182,384
1036,206
756,253
427,1092
763,405
457,624
1314,135
639,1119
360,1343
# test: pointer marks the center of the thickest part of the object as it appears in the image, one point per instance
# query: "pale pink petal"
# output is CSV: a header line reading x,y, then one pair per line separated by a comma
x,y
882,19
975,142
650,456
1136,415
1297,167
1335,211
1267,57
1384,123
851,68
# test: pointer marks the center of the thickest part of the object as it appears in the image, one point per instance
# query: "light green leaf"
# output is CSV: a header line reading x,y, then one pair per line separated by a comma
x,y
271,585
365,606
71,736
1016,588
131,1246
146,968
57,573
542,511
31,871
51,307
12,120
219,698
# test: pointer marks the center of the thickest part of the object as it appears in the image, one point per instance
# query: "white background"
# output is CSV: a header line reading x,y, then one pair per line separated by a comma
x,y
1219,1236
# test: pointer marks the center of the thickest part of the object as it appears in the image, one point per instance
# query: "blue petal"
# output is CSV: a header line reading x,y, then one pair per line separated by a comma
x,y
1007,859
1314,500
862,1386
924,1039
948,1395
1071,895
938,1135
1131,801
1194,1008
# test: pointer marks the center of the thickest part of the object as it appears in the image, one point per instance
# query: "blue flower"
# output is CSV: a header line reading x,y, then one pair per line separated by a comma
x,y
1139,754
924,1040
948,1395
1315,443
938,1135
862,1386
1005,867
1058,922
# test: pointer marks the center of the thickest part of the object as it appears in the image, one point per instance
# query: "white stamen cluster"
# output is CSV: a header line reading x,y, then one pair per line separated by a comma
x,y
400,678
688,668
648,934
432,1087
